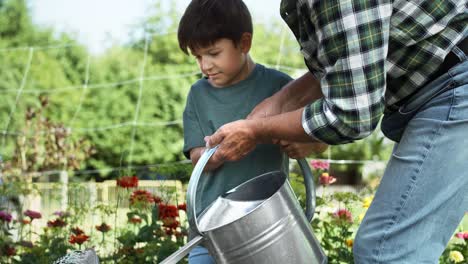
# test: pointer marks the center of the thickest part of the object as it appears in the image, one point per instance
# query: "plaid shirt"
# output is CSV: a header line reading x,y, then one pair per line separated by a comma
x,y
369,55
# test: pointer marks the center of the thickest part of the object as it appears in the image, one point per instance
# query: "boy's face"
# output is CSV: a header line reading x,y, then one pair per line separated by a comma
x,y
223,62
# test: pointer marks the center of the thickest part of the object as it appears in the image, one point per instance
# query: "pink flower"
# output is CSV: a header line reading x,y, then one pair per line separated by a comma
x,y
344,214
5,216
320,165
462,235
33,214
326,179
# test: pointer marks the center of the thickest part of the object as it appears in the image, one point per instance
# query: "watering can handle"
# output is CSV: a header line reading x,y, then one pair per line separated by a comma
x,y
310,188
197,171
193,184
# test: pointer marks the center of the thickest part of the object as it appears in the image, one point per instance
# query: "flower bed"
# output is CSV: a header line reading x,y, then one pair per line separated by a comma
x,y
153,228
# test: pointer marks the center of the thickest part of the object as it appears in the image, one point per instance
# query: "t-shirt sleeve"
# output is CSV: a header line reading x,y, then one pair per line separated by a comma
x,y
283,79
193,134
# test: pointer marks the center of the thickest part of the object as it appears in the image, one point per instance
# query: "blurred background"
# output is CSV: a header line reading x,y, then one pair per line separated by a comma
x,y
110,77
91,100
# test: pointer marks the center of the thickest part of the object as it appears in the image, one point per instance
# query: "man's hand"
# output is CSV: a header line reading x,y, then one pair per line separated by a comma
x,y
237,139
298,150
212,164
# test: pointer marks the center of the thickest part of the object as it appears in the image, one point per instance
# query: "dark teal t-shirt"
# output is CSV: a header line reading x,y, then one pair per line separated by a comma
x,y
208,108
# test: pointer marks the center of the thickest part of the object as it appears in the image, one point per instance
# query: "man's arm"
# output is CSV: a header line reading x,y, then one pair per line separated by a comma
x,y
296,150
238,138
294,95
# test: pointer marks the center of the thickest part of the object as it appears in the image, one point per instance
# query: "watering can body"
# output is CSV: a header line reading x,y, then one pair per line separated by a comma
x,y
258,222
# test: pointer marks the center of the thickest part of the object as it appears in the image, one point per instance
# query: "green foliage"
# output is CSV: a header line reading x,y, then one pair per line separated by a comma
x,y
128,101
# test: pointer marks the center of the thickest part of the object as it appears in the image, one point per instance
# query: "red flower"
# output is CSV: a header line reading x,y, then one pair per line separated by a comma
x,y
9,251
135,220
128,182
33,214
344,214
167,211
103,228
182,207
169,231
326,179
141,197
157,199
170,222
78,239
56,223
77,231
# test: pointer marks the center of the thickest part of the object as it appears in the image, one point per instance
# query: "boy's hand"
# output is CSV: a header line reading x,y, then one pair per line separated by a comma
x,y
297,150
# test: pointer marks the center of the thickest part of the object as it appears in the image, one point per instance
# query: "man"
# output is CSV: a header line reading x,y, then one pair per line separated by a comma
x,y
405,61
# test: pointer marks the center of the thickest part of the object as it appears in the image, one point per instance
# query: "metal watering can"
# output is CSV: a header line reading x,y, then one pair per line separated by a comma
x,y
257,222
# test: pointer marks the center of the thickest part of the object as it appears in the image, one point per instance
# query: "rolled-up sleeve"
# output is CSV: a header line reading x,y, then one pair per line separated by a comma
x,y
352,40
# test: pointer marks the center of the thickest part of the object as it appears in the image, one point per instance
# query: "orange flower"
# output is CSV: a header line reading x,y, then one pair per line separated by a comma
x,y
77,231
78,239
142,197
103,228
135,220
128,182
25,221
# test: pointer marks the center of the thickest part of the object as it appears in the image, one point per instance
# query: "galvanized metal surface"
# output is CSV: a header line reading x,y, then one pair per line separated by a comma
x,y
258,222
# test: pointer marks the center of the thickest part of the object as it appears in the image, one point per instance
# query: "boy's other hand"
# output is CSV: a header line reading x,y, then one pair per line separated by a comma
x,y
296,150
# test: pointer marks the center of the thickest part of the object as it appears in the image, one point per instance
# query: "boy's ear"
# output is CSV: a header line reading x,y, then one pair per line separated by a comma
x,y
246,42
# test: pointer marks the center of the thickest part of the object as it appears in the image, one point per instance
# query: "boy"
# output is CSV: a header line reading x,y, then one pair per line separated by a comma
x,y
219,35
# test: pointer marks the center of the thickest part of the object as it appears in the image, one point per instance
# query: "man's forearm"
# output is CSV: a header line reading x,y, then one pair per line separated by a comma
x,y
286,126
299,93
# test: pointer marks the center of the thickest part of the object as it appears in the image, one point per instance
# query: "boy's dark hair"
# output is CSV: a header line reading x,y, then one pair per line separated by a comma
x,y
206,21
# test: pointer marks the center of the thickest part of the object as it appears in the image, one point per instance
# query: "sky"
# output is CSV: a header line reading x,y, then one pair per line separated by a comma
x,y
100,23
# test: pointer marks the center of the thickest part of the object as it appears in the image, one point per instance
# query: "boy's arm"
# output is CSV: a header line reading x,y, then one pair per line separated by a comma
x,y
298,150
212,164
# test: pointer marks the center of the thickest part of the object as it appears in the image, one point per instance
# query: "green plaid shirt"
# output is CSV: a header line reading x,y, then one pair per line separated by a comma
x,y
369,55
